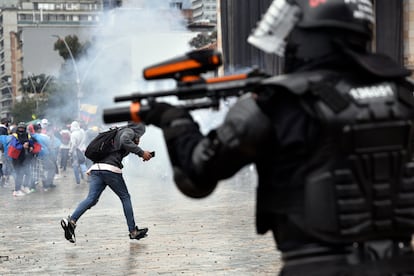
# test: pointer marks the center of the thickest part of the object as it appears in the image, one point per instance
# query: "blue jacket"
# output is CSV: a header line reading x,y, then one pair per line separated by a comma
x,y
5,141
45,142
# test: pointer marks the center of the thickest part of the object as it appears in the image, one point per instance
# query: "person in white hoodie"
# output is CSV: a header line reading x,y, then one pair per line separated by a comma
x,y
76,151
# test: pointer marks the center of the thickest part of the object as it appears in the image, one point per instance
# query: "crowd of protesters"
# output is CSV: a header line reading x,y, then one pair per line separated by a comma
x,y
33,154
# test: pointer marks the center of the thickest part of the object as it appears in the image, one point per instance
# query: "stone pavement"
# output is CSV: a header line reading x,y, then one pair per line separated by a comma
x,y
211,236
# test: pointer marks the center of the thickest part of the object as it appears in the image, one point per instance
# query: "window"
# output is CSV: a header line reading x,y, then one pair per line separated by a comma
x,y
73,6
176,5
53,17
84,7
46,6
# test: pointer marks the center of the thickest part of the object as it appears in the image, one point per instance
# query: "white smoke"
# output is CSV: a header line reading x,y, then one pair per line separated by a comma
x,y
129,39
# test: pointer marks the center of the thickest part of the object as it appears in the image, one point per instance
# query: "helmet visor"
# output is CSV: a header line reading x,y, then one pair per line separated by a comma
x,y
275,25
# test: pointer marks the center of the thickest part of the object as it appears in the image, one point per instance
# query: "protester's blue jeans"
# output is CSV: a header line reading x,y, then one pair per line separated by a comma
x,y
98,180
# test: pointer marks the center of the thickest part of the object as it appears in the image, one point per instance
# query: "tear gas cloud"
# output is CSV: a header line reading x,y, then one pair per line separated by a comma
x,y
139,34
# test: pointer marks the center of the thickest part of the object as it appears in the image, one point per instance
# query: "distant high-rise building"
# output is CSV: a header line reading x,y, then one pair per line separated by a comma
x,y
28,29
204,10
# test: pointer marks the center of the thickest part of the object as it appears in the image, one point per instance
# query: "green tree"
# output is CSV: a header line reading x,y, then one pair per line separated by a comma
x,y
203,39
36,84
77,49
36,90
23,111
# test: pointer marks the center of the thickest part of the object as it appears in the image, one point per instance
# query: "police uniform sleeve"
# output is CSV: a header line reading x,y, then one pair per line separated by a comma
x,y
198,161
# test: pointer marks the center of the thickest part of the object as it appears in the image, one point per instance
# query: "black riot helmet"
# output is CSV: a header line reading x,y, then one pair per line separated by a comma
x,y
303,30
347,15
284,16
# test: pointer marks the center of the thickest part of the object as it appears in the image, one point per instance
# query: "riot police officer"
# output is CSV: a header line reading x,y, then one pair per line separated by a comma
x,y
331,141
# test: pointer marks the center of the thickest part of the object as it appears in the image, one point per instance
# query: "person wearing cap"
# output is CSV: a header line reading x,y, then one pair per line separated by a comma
x,y
108,172
331,140
20,149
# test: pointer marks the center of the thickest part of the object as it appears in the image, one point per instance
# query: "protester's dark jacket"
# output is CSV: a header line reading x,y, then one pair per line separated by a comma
x,y
3,130
124,144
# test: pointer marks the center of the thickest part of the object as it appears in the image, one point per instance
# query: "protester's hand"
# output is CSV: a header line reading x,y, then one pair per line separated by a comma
x,y
26,145
146,156
162,114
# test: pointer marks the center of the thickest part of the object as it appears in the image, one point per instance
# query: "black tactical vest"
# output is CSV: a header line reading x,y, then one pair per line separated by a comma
x,y
361,182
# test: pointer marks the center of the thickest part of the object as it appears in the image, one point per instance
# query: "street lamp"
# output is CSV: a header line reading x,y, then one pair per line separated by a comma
x,y
38,95
97,55
31,81
78,85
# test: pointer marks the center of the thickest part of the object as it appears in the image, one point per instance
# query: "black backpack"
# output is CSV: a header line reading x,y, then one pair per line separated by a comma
x,y
102,145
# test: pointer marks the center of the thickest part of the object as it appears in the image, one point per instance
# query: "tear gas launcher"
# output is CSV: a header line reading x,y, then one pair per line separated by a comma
x,y
196,92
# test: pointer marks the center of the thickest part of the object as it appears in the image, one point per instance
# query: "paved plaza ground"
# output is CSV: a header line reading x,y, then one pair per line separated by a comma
x,y
212,236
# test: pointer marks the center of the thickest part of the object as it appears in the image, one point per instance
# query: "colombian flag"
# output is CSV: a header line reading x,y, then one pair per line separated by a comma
x,y
88,112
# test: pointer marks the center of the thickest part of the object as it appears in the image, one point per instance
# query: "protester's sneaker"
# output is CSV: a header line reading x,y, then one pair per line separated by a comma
x,y
28,190
69,228
138,234
18,193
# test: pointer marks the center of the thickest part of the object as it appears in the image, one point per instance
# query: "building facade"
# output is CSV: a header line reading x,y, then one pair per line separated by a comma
x,y
27,27
204,10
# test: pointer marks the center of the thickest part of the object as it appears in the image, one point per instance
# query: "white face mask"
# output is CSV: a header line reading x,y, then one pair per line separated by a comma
x,y
276,24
